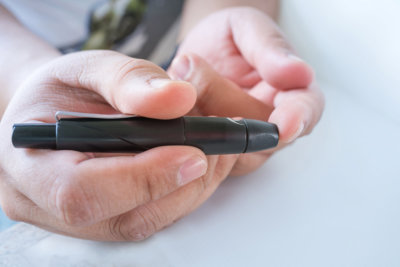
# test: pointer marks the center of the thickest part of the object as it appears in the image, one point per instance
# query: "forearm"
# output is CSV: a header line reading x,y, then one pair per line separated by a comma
x,y
21,52
196,10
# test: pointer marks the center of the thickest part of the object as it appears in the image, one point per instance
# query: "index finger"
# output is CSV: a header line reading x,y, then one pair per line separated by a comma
x,y
216,94
263,45
297,111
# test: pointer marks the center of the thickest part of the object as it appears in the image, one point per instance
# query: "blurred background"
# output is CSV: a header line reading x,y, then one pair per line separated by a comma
x,y
351,44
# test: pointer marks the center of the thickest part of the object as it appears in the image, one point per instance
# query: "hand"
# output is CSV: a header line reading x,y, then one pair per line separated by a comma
x,y
98,196
245,46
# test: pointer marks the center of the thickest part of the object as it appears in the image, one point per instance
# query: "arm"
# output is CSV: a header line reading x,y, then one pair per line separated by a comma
x,y
195,10
17,59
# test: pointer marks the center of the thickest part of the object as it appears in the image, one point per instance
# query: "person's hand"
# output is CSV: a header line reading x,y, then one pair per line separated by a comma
x,y
246,46
90,195
108,196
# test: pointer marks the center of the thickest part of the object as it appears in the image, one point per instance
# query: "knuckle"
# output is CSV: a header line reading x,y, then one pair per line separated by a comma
x,y
144,189
225,164
202,183
129,66
278,40
211,180
125,71
11,211
149,189
8,202
73,206
138,225
155,185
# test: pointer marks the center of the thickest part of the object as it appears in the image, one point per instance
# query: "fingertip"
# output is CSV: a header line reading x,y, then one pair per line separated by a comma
x,y
168,99
191,169
191,162
288,72
300,72
295,133
186,67
174,99
180,67
290,123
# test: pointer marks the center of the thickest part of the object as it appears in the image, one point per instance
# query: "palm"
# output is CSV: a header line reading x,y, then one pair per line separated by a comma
x,y
221,52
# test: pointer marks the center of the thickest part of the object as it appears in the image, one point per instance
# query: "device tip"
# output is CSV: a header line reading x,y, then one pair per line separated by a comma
x,y
261,135
34,135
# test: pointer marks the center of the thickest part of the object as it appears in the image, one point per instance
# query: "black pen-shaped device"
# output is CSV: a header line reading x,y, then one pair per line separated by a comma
x,y
213,135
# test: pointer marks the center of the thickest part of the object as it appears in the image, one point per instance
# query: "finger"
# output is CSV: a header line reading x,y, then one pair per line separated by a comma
x,y
263,45
107,187
297,112
9,200
20,208
131,86
219,96
140,222
82,191
264,92
145,220
216,94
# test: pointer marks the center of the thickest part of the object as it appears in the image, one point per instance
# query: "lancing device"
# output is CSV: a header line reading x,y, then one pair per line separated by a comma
x,y
105,133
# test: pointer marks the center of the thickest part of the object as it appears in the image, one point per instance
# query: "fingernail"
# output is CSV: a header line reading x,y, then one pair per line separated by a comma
x,y
297,133
160,83
181,67
294,57
191,169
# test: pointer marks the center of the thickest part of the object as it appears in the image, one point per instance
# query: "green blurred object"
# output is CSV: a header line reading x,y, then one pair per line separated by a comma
x,y
112,23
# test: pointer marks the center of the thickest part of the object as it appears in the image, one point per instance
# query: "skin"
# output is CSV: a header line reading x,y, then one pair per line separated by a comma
x,y
125,197
247,48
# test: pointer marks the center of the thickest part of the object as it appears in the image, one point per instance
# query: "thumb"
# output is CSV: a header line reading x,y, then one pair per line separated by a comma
x,y
216,94
131,86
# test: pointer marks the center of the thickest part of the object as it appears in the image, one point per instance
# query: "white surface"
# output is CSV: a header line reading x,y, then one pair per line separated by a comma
x,y
331,199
